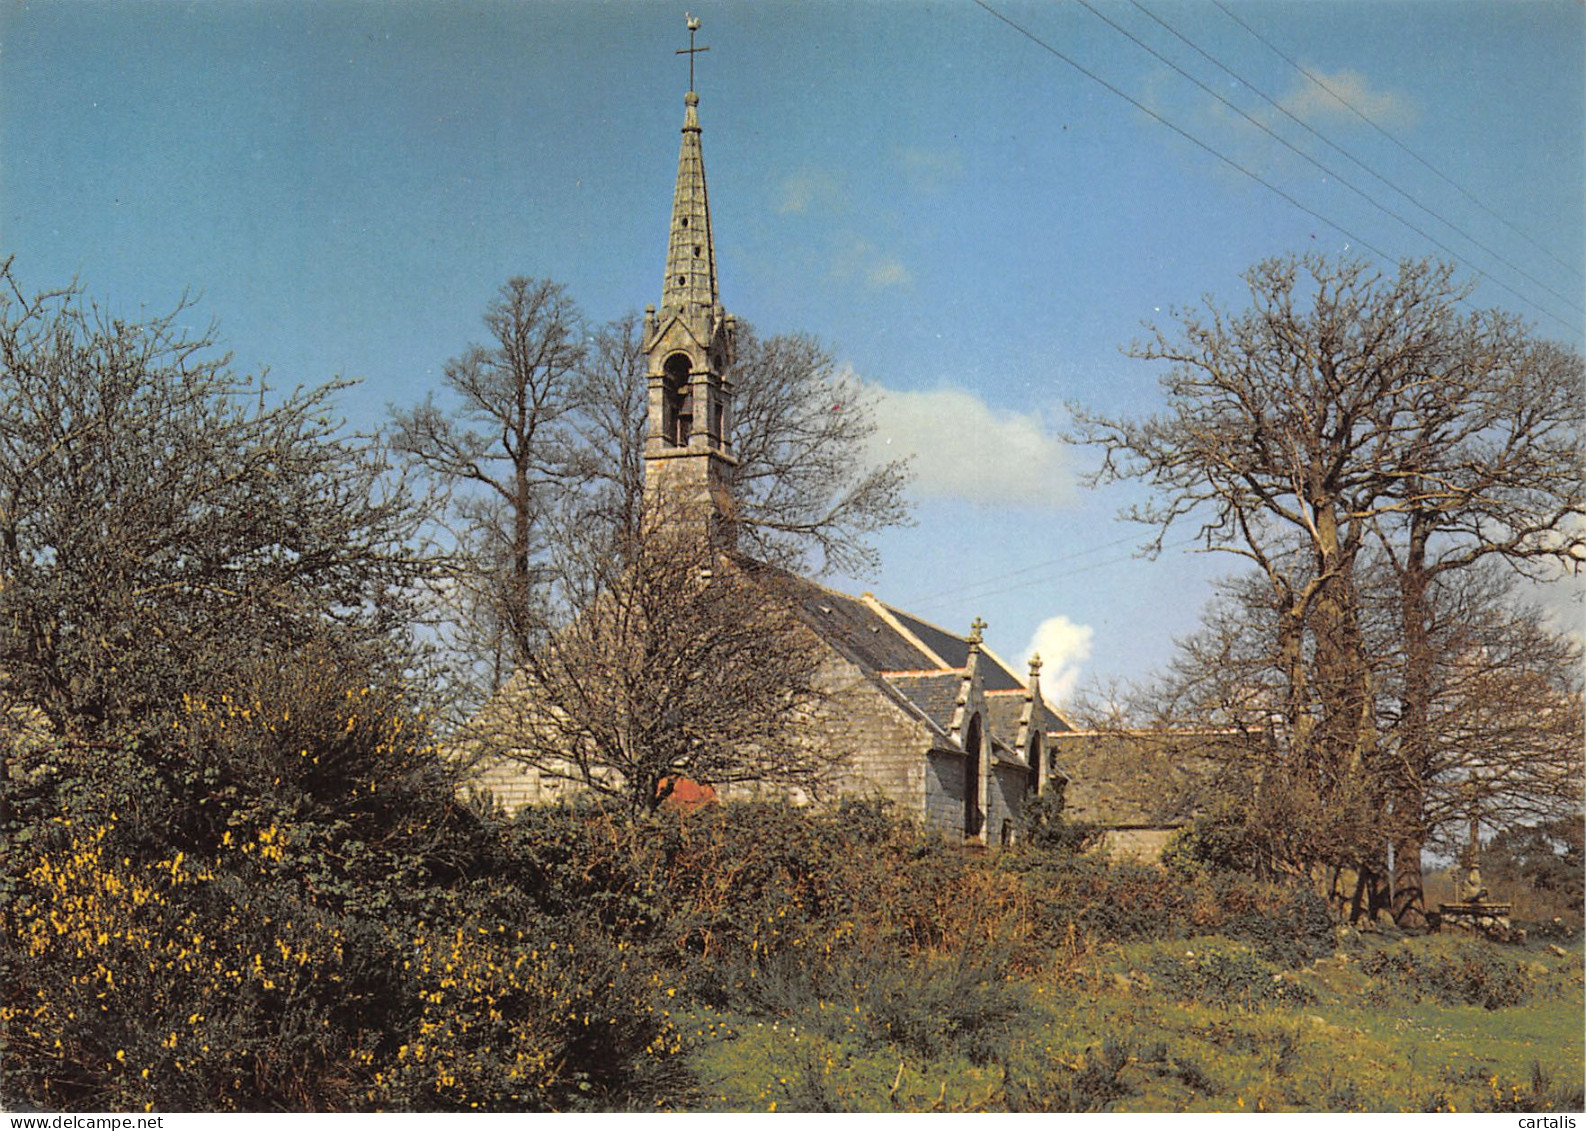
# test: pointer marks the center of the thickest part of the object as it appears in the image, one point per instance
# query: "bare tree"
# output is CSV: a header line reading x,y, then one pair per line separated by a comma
x,y
1488,466
498,457
603,472
677,665
1346,409
545,448
806,490
809,493
1234,679
1504,714
1503,719
166,524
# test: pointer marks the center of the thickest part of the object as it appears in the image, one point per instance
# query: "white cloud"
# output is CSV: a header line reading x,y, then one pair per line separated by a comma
x,y
1063,647
821,196
861,259
964,449
807,189
1248,133
1310,103
1562,600
1562,597
928,169
888,273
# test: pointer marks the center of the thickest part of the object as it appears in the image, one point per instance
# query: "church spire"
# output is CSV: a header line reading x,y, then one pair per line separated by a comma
x,y
688,346
690,288
690,285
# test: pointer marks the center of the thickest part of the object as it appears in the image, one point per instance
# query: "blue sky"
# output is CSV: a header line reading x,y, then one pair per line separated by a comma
x,y
970,223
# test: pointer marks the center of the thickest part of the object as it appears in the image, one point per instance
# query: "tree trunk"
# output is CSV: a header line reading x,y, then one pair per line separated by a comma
x,y
1343,674
1415,756
1358,900
1370,900
1381,900
1409,894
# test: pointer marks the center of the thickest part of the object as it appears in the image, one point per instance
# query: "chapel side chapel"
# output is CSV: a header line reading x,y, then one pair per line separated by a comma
x,y
932,721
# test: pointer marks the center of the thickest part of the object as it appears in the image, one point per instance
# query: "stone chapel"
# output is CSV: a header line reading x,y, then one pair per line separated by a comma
x,y
928,719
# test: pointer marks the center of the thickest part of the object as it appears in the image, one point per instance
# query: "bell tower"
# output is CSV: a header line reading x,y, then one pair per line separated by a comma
x,y
688,348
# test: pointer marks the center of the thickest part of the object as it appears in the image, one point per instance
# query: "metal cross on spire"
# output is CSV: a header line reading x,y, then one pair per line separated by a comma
x,y
691,50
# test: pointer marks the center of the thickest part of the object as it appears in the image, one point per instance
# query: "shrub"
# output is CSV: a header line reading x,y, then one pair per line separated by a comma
x,y
576,861
1224,975
219,916
1469,972
1044,831
1289,925
922,1006
1220,840
1093,1082
933,1007
761,883
514,1020
178,983
1104,899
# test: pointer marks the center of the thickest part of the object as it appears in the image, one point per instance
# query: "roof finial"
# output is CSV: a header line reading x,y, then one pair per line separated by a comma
x,y
691,50
977,628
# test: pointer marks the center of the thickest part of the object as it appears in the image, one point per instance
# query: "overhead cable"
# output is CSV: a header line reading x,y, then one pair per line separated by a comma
x,y
1574,268
1233,164
1280,108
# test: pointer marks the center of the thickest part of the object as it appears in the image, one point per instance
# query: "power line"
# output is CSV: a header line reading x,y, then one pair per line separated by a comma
x,y
979,592
1330,172
928,597
1572,268
1229,161
1280,108
1185,134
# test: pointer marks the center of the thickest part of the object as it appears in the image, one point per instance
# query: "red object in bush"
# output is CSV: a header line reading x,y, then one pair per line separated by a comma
x,y
687,794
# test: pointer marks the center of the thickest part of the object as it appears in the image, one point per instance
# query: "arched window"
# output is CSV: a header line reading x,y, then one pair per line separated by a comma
x,y
677,409
1032,758
974,818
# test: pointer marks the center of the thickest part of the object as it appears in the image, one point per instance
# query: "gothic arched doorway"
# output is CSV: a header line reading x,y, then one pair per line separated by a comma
x,y
974,817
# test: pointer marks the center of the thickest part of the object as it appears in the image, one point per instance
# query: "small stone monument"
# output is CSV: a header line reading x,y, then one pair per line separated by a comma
x,y
1474,913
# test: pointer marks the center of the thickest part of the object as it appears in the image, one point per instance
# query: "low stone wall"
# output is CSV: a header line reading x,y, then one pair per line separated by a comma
x,y
1144,845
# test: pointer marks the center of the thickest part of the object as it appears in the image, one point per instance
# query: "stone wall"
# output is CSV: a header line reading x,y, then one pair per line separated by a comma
x,y
512,784
1008,787
878,744
944,792
1144,845
944,796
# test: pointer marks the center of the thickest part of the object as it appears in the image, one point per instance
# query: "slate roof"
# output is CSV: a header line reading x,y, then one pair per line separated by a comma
x,y
934,693
886,643
1002,714
846,622
955,650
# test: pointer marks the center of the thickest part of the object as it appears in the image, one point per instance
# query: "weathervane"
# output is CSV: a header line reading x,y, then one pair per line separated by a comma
x,y
691,50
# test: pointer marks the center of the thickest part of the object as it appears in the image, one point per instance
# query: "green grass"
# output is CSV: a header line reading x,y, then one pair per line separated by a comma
x,y
1189,1025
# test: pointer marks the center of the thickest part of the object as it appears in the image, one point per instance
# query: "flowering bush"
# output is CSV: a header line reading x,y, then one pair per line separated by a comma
x,y
277,902
169,984
512,1020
